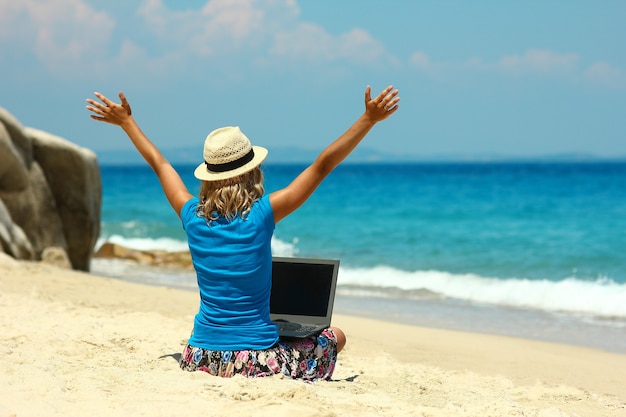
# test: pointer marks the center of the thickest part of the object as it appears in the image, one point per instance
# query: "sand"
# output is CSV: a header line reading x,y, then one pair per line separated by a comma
x,y
75,344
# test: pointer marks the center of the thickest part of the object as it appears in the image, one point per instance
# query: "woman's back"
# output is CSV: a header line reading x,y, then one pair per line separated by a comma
x,y
233,262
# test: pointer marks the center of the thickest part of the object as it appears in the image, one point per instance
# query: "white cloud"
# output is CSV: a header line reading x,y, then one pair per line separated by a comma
x,y
310,43
219,26
539,62
534,62
261,28
72,37
437,70
605,74
60,33
421,61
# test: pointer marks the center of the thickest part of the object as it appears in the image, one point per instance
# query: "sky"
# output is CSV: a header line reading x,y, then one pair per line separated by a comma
x,y
491,77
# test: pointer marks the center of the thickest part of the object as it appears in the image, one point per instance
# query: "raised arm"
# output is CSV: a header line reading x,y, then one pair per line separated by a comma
x,y
288,199
121,115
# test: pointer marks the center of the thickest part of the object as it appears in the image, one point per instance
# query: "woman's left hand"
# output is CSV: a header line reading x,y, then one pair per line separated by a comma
x,y
108,111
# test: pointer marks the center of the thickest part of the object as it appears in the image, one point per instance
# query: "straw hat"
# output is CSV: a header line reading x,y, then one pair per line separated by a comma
x,y
227,154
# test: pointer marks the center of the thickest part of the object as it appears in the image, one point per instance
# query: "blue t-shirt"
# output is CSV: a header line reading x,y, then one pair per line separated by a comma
x,y
233,263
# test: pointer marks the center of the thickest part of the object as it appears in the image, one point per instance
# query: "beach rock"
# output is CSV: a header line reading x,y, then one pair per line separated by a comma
x,y
154,257
13,240
13,172
35,212
19,139
177,259
113,251
73,175
51,191
56,256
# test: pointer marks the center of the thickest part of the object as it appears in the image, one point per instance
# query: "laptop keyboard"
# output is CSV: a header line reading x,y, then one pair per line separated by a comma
x,y
285,325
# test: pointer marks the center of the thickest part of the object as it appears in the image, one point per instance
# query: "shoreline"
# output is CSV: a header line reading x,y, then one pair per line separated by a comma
x,y
457,315
80,344
428,311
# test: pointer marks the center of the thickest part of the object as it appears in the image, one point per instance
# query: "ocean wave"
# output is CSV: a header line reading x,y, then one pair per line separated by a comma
x,y
143,243
601,297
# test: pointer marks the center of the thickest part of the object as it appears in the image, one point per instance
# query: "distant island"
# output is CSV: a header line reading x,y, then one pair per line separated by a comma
x,y
283,155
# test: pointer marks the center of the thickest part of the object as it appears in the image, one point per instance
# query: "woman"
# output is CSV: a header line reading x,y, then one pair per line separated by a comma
x,y
229,230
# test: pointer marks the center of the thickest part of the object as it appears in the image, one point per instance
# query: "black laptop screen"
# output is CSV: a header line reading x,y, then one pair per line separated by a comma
x,y
301,288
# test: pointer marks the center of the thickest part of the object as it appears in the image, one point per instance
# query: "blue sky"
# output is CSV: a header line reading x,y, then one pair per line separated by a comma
x,y
490,77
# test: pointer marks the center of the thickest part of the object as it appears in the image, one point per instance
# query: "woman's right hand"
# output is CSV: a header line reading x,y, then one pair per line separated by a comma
x,y
383,105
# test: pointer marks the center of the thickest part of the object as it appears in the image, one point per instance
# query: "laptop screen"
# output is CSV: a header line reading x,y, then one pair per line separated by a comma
x,y
302,287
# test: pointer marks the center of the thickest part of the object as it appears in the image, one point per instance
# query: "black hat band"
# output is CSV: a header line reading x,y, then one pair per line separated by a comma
x,y
229,166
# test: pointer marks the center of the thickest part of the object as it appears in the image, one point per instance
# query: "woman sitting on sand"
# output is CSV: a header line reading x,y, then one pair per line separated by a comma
x,y
229,230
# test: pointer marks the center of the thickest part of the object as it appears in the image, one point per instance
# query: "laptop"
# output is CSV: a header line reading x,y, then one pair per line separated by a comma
x,y
303,294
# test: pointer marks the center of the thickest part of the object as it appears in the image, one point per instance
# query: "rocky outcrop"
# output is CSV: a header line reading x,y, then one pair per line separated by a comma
x,y
13,240
151,257
50,196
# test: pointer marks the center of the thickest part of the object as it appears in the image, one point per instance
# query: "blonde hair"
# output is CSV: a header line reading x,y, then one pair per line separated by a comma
x,y
230,197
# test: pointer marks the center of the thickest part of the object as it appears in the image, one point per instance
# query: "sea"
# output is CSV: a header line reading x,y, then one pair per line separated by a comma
x,y
533,250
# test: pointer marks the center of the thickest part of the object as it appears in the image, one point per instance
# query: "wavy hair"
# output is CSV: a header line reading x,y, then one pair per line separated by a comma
x,y
231,197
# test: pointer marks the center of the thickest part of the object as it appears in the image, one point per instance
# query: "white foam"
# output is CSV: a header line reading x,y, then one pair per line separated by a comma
x,y
601,297
140,243
279,247
282,248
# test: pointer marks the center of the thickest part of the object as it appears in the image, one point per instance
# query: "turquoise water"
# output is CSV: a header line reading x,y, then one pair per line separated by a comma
x,y
545,240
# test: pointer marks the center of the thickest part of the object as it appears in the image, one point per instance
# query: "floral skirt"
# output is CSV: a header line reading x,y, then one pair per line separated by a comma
x,y
310,359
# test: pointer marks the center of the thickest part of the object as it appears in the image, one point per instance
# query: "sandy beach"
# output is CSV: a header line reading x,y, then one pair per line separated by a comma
x,y
76,344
